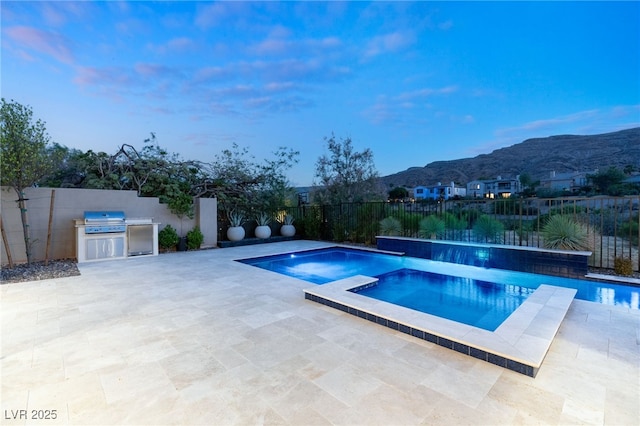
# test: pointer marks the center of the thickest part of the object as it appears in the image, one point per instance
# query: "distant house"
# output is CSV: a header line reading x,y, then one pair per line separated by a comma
x,y
439,192
494,188
569,182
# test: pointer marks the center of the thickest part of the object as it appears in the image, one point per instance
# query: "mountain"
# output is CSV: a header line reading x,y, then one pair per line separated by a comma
x,y
538,157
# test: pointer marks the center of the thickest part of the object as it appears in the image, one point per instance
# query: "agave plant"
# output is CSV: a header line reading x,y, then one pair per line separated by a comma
x,y
263,219
431,227
288,219
235,218
390,226
561,232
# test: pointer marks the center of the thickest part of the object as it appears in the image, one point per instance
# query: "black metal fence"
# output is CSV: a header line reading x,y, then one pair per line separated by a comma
x,y
613,223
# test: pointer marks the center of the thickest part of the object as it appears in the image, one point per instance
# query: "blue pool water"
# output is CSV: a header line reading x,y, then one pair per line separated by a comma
x,y
479,303
334,263
326,265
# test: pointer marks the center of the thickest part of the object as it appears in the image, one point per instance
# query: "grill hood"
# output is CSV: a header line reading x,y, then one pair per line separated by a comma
x,y
104,217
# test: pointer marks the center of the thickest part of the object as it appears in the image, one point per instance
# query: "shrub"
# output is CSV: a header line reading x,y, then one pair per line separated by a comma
x,y
368,217
455,226
390,226
488,229
311,223
411,223
168,237
629,229
431,227
524,231
623,266
194,239
339,232
561,232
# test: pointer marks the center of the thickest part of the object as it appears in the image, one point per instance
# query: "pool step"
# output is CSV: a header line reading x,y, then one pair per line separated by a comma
x,y
520,343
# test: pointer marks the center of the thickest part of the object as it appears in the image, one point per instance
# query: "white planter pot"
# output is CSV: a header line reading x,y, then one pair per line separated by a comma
x,y
288,230
235,233
263,231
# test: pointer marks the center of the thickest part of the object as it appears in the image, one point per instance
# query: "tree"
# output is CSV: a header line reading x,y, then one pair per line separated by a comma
x,y
238,180
346,175
26,156
608,182
398,193
528,185
273,184
71,172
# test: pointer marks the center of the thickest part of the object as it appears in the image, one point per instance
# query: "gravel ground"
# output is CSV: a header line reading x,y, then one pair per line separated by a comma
x,y
39,271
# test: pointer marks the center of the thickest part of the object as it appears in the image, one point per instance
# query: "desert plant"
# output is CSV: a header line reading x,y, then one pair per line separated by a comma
x,y
235,218
431,227
287,229
488,229
263,219
623,266
194,239
390,226
287,219
561,232
168,237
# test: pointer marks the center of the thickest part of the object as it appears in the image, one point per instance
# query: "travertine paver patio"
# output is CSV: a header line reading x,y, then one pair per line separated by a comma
x,y
195,338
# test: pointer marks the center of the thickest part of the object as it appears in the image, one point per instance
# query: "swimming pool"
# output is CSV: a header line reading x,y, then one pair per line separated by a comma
x,y
520,343
478,303
330,264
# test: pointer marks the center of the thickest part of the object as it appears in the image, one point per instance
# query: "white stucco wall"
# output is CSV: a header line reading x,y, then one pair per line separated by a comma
x,y
71,204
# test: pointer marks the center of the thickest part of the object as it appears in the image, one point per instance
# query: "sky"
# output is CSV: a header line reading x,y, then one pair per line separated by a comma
x,y
414,82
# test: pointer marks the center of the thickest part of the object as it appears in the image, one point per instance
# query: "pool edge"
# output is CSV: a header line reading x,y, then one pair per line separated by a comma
x,y
519,344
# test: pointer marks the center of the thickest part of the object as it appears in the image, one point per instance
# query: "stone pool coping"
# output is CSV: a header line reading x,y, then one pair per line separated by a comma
x,y
520,343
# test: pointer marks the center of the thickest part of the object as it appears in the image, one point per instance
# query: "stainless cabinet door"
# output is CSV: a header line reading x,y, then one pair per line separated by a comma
x,y
105,248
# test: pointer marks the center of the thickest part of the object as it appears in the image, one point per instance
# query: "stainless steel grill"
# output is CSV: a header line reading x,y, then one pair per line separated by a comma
x,y
105,222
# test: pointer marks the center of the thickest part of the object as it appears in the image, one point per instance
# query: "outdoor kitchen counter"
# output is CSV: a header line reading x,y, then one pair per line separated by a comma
x,y
138,237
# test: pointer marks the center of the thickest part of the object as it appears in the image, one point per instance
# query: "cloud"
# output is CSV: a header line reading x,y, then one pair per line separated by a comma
x,y
212,74
407,107
60,13
426,93
389,43
279,104
209,15
175,45
550,123
290,70
149,70
206,92
47,42
381,112
280,86
53,15
279,42
103,77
